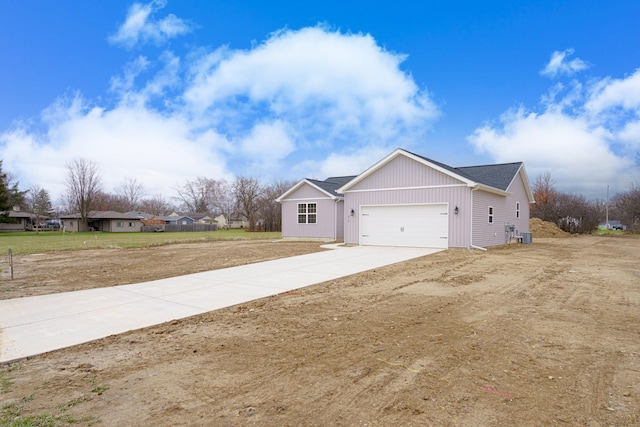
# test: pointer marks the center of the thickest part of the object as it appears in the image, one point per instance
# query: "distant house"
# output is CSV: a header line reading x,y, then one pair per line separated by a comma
x,y
19,220
107,221
177,219
409,200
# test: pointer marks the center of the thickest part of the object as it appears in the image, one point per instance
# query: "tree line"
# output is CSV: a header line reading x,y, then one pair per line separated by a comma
x,y
575,214
243,197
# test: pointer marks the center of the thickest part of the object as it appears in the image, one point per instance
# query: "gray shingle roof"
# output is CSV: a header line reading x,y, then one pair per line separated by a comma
x,y
496,176
330,185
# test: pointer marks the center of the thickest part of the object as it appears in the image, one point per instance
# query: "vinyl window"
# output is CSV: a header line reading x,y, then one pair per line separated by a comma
x,y
517,209
307,213
490,214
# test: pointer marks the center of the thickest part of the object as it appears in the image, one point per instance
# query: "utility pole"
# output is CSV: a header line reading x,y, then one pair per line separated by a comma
x,y
607,209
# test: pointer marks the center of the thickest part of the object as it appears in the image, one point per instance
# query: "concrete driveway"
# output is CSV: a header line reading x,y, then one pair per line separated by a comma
x,y
35,325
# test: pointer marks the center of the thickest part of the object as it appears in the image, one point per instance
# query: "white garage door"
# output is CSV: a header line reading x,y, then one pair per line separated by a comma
x,y
405,225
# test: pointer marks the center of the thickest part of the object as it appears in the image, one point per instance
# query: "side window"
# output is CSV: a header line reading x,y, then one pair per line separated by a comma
x,y
490,214
517,209
307,213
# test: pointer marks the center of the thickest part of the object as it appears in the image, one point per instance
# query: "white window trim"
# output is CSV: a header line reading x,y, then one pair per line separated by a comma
x,y
306,213
491,213
517,209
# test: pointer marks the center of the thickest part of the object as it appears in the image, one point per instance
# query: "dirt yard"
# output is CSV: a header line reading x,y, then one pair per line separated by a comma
x,y
543,334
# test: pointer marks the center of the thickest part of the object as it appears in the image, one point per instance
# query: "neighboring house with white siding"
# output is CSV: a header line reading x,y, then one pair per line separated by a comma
x,y
409,200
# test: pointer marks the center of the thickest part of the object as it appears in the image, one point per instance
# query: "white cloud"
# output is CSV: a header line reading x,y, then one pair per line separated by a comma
x,y
139,27
558,64
612,93
576,136
303,103
160,151
322,81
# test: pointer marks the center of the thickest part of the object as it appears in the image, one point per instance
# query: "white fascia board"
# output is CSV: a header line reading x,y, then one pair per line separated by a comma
x,y
300,184
393,155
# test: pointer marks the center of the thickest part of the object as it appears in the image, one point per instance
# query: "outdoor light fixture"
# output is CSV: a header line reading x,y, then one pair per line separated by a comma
x,y
352,212
455,211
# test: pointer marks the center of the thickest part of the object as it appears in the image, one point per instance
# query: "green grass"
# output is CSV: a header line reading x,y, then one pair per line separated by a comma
x,y
30,243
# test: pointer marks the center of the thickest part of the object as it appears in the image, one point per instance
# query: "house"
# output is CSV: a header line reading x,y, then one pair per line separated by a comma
x,y
108,221
313,210
409,200
177,219
18,220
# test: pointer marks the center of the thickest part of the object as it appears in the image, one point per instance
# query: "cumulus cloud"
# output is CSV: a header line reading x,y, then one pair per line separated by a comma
x,y
587,136
559,64
333,90
303,103
139,27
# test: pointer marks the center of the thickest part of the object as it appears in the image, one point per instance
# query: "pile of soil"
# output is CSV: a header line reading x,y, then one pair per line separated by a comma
x,y
541,228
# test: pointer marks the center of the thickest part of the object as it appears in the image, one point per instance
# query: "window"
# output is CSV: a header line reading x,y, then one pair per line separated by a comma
x,y
517,209
119,224
490,214
307,213
131,224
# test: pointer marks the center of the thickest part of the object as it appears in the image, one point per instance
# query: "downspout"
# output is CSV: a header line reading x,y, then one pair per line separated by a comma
x,y
471,223
335,220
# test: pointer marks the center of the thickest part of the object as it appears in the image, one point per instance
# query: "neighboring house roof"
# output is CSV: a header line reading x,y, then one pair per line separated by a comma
x,y
19,214
140,215
173,217
101,215
329,186
495,178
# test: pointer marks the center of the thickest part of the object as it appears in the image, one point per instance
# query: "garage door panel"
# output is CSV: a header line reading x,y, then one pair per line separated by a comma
x,y
405,225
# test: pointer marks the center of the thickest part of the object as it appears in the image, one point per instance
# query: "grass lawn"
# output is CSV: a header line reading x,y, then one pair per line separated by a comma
x,y
29,242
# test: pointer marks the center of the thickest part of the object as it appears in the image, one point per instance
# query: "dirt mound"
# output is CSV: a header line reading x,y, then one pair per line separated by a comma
x,y
541,228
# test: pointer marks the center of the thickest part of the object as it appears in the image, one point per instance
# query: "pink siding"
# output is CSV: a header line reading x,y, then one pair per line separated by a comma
x,y
518,194
485,234
404,172
455,196
325,228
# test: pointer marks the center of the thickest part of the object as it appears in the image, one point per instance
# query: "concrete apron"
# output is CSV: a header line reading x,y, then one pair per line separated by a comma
x,y
35,325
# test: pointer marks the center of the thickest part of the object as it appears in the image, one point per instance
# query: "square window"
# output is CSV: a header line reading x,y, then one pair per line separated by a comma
x,y
307,213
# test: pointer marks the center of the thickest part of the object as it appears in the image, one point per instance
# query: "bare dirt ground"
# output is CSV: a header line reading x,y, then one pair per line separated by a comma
x,y
543,334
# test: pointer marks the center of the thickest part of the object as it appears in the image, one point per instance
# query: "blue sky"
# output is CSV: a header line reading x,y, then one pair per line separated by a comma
x,y
166,91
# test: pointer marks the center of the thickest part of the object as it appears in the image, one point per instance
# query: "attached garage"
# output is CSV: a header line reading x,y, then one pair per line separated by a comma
x,y
416,225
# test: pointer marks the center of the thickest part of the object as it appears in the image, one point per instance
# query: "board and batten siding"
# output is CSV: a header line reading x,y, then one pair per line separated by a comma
x,y
326,227
404,181
404,172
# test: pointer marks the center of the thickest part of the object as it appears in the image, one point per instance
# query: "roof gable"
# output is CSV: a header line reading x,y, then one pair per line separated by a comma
x,y
440,167
328,186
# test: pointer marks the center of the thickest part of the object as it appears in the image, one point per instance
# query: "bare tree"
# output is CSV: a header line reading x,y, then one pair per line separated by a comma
x,y
131,192
224,199
40,203
196,195
156,205
546,197
249,198
627,205
271,211
83,185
